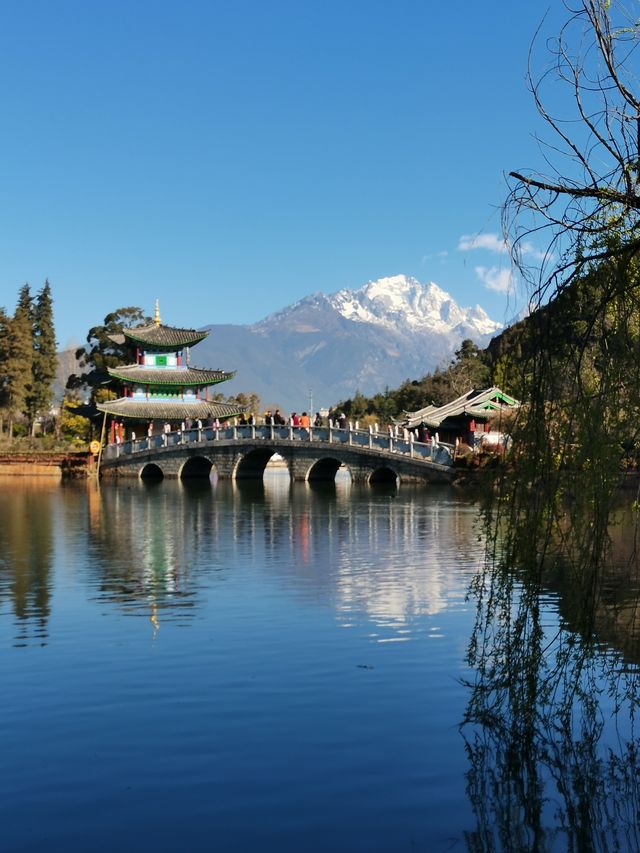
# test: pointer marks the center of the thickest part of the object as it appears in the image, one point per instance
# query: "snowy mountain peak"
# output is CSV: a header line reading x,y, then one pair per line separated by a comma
x,y
405,305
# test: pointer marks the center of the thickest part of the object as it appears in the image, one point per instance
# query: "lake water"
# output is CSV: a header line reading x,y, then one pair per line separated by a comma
x,y
209,667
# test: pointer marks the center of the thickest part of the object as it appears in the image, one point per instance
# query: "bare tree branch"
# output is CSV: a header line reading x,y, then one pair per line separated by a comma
x,y
592,188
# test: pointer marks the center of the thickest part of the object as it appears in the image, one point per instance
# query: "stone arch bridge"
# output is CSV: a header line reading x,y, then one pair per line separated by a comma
x,y
316,454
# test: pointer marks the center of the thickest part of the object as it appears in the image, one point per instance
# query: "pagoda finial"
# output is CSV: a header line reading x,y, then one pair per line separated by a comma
x,y
156,319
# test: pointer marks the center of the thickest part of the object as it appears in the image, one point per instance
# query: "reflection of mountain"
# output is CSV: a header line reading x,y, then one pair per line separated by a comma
x,y
407,589
341,545
26,556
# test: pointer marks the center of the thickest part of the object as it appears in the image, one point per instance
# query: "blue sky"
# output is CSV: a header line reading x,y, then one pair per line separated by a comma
x,y
231,158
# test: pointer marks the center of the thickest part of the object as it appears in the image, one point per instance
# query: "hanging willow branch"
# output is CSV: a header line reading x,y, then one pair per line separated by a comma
x,y
578,355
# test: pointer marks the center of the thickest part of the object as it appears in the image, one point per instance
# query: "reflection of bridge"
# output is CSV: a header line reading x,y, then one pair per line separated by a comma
x,y
242,452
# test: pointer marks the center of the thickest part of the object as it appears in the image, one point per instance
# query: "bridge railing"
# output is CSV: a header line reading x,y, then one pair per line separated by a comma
x,y
348,437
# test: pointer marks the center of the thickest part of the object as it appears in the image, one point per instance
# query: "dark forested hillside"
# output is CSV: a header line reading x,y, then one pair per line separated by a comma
x,y
469,369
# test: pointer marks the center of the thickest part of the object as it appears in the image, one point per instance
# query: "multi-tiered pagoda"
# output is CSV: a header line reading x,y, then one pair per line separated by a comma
x,y
161,387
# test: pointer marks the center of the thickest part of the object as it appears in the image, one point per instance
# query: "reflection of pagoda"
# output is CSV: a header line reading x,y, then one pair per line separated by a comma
x,y
161,386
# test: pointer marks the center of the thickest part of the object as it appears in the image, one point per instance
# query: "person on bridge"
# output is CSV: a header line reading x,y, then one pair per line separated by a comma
x,y
318,420
278,419
304,420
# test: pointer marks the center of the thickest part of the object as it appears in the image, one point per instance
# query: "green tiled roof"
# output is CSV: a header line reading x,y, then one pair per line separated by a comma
x,y
164,336
175,376
477,404
144,410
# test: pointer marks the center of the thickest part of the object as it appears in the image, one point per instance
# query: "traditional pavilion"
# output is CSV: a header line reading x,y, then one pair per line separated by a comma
x,y
475,412
161,387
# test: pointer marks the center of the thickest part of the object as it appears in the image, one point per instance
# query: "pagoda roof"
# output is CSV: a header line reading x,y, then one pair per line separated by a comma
x,y
473,404
148,410
157,335
176,376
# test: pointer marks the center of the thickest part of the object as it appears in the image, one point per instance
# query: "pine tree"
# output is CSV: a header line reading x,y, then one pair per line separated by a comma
x,y
18,365
5,321
45,360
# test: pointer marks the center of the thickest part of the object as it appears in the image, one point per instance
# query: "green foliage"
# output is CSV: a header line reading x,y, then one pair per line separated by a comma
x,y
105,348
44,356
28,359
5,321
73,428
469,369
250,401
580,378
19,360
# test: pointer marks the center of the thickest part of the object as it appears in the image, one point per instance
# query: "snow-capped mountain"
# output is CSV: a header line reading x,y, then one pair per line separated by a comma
x,y
402,303
332,345
398,304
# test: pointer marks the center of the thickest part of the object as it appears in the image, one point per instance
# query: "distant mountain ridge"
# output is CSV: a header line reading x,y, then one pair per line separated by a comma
x,y
324,347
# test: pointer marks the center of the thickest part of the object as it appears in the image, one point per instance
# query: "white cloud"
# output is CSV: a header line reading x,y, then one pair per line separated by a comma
x,y
435,256
499,279
528,249
491,242
496,243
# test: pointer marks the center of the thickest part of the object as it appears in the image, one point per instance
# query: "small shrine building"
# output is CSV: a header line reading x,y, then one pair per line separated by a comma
x,y
464,418
160,389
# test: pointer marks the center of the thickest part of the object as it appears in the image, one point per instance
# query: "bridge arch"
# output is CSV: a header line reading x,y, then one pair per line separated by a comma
x,y
323,470
385,475
196,467
151,471
251,465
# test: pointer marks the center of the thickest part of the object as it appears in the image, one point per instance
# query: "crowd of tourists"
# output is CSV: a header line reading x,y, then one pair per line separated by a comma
x,y
335,420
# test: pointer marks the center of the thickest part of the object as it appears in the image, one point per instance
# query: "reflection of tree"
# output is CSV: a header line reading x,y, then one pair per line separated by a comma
x,y
549,727
550,719
26,549
615,617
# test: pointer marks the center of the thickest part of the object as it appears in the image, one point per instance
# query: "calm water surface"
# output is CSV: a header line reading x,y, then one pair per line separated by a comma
x,y
200,667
